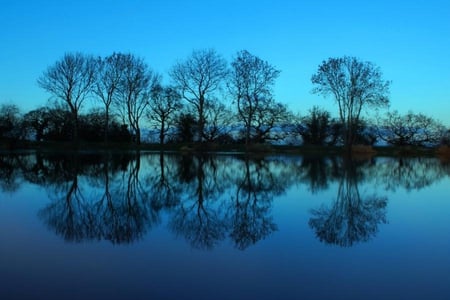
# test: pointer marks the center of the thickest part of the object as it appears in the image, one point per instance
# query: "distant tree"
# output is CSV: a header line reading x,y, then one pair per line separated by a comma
x,y
446,138
36,122
165,102
10,121
365,132
414,129
92,126
109,76
270,122
71,80
198,78
219,119
251,83
315,128
355,85
187,128
134,91
59,126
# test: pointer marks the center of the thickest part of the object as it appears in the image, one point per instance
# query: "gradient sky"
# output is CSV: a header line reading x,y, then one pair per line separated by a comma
x,y
408,40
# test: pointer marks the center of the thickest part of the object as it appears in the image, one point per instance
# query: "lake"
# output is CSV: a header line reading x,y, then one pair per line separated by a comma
x,y
153,226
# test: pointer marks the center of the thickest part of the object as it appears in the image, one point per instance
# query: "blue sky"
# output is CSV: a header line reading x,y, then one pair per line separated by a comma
x,y
408,40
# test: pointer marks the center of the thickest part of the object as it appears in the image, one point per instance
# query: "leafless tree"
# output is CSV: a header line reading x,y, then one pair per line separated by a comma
x,y
108,79
134,91
219,119
355,85
411,129
10,119
198,78
251,83
71,80
165,102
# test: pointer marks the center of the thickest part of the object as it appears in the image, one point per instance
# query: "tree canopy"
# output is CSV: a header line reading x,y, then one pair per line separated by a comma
x,y
354,85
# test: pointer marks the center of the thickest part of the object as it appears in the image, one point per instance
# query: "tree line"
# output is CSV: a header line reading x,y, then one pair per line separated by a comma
x,y
209,100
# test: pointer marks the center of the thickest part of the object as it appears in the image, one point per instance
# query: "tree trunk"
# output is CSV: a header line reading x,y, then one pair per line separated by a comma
x,y
161,133
75,127
138,136
106,125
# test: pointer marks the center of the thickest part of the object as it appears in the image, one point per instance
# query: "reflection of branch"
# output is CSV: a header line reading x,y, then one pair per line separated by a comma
x,y
249,216
350,219
9,177
409,173
120,217
199,222
68,215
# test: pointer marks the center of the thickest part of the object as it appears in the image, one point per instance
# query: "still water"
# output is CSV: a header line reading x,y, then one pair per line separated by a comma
x,y
151,226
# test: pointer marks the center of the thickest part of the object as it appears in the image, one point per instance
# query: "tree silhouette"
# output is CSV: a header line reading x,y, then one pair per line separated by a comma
x,y
411,129
134,91
355,85
315,128
166,101
110,71
10,122
198,78
71,80
251,83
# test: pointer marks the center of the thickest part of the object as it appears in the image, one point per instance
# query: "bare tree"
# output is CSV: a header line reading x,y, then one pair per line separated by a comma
x,y
355,85
219,119
315,128
109,76
10,119
134,91
411,129
165,102
198,78
70,79
36,122
251,85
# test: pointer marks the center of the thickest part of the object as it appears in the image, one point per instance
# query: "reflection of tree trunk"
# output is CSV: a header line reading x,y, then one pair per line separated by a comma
x,y
107,194
200,181
161,167
351,218
72,189
75,126
250,219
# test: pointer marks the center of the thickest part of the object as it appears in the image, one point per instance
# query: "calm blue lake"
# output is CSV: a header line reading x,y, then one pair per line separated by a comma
x,y
151,226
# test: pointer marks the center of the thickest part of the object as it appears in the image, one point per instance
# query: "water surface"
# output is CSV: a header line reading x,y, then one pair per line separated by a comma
x,y
151,226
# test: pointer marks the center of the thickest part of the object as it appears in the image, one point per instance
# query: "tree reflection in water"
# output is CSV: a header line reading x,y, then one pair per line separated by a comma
x,y
352,218
249,209
207,199
408,172
121,216
198,217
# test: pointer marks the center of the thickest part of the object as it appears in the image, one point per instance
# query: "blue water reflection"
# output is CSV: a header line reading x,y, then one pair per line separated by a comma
x,y
130,225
